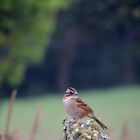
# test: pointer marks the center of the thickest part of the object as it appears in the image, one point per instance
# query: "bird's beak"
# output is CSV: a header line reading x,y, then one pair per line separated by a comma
x,y
67,91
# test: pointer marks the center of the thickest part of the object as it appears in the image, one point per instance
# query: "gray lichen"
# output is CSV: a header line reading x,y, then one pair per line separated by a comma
x,y
83,130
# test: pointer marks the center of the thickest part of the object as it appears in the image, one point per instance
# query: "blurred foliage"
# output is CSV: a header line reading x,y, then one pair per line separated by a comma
x,y
25,29
100,41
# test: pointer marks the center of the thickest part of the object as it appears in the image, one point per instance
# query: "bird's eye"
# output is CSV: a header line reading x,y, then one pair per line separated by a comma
x,y
69,94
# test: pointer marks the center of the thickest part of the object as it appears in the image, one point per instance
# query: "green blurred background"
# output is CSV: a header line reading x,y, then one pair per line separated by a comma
x,y
48,45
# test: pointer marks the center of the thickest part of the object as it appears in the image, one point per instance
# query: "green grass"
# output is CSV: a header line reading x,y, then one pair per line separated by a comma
x,y
114,107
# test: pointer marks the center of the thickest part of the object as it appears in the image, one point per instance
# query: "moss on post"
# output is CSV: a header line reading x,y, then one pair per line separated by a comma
x,y
84,130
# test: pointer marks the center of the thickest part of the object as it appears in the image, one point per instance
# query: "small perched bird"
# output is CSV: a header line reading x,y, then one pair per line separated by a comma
x,y
77,109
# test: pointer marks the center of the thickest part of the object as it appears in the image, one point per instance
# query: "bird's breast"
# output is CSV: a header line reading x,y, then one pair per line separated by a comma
x,y
68,102
70,106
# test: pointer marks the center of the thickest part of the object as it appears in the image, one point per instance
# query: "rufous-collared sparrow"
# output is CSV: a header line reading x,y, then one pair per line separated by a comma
x,y
77,109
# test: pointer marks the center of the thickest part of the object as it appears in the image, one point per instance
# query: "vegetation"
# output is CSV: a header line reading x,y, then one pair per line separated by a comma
x,y
91,44
25,30
99,43
117,108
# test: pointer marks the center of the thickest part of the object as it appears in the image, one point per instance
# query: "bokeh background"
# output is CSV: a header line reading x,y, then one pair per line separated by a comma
x,y
91,45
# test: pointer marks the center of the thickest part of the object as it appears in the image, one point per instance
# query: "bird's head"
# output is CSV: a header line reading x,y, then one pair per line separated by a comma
x,y
71,92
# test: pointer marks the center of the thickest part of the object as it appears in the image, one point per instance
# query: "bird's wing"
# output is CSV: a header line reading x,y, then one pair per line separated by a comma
x,y
83,105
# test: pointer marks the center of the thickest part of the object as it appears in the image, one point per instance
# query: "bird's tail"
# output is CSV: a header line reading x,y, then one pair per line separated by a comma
x,y
99,122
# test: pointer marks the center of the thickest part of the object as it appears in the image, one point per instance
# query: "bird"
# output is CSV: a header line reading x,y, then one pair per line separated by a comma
x,y
77,108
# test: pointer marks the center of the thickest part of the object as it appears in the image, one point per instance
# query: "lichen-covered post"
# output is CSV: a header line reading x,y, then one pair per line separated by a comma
x,y
83,130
